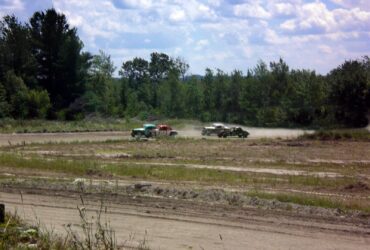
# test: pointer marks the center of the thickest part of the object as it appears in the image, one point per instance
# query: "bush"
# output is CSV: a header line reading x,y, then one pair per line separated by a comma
x,y
205,117
38,104
344,134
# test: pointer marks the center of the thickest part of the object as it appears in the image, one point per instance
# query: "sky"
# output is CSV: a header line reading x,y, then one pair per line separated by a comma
x,y
225,34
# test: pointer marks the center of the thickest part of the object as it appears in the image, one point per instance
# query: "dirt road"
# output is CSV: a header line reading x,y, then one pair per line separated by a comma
x,y
172,224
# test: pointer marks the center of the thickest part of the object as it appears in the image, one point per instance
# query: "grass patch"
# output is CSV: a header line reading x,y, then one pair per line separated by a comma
x,y
340,134
15,234
170,173
309,200
59,165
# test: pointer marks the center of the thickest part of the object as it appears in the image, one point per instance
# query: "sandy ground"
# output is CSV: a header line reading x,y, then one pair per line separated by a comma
x,y
183,225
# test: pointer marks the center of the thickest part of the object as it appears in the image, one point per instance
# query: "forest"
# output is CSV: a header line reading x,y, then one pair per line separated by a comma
x,y
46,74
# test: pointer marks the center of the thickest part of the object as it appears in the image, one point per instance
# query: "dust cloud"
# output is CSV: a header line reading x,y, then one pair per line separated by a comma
x,y
194,131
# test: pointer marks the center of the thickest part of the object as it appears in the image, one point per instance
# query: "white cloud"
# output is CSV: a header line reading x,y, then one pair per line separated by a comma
x,y
325,49
254,10
196,10
283,8
273,38
352,18
146,4
215,3
362,4
7,6
314,15
201,44
318,17
288,25
178,15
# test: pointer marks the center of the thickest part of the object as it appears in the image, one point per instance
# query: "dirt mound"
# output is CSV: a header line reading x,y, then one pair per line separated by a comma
x,y
357,187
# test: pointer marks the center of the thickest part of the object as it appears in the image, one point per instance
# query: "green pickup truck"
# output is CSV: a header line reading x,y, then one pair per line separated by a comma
x,y
146,130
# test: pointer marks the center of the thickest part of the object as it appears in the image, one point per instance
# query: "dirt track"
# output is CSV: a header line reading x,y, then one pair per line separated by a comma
x,y
189,131
172,224
255,133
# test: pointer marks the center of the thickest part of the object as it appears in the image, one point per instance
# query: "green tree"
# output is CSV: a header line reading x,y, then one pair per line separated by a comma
x,y
182,66
208,85
101,94
57,49
193,98
16,94
15,51
4,105
136,71
307,100
219,96
280,86
170,94
38,104
159,66
349,92
233,96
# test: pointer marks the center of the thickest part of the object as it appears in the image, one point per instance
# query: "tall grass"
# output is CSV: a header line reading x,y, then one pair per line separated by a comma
x,y
16,234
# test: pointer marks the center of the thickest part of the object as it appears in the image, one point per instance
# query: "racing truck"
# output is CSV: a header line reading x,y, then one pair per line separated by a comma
x,y
146,130
234,131
215,129
151,130
164,129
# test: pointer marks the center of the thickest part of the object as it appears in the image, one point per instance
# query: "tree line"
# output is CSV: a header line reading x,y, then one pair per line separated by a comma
x,y
44,73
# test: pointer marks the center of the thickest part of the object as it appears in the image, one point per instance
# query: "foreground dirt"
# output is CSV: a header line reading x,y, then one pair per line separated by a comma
x,y
172,224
